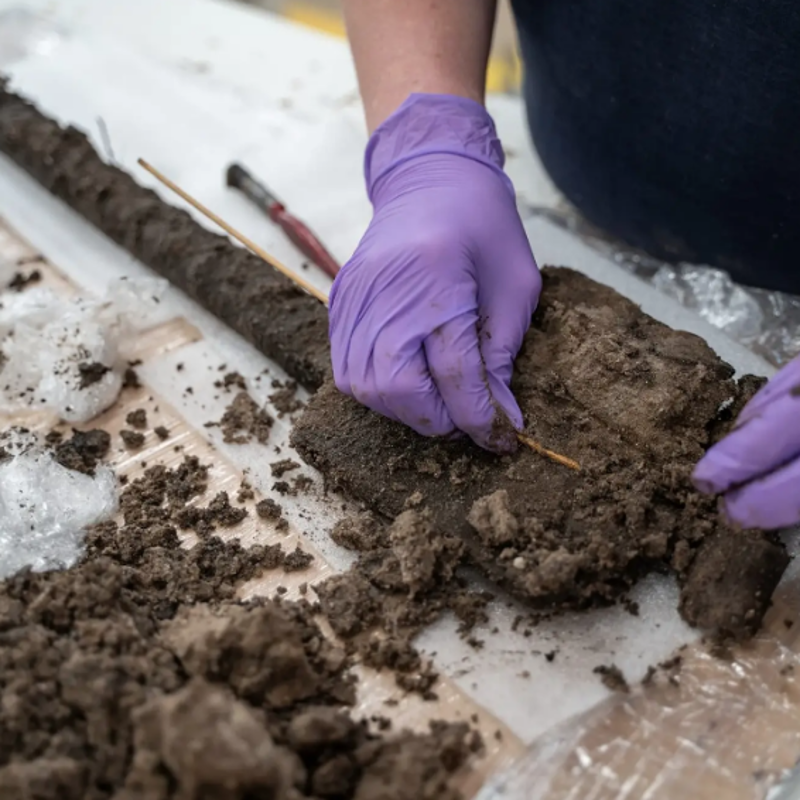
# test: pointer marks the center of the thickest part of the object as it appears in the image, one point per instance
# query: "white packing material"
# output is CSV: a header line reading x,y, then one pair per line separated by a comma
x,y
45,507
69,354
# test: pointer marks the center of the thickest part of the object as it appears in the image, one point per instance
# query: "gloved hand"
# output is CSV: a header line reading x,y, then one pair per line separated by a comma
x,y
757,466
428,315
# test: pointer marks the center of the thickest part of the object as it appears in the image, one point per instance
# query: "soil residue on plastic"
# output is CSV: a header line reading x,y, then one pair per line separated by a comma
x,y
636,404
137,675
244,421
264,307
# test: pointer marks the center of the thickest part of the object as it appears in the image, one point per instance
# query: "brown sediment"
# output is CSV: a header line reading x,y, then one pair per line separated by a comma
x,y
636,404
404,579
237,287
243,421
136,674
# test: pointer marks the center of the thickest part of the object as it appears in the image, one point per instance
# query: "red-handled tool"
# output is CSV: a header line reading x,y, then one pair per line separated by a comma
x,y
304,239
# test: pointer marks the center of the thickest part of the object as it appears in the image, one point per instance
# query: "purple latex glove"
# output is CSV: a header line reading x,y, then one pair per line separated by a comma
x,y
757,466
428,315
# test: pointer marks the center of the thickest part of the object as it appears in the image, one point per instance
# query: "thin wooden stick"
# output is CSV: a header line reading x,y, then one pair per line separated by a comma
x,y
312,290
542,450
249,244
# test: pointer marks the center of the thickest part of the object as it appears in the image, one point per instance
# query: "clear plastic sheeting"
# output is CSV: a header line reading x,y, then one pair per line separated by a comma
x,y
80,346
767,323
44,507
721,724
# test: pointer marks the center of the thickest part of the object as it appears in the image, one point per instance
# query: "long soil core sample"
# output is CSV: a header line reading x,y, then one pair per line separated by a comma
x,y
236,286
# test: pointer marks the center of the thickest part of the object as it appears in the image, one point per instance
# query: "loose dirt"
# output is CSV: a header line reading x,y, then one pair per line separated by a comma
x,y
404,579
636,404
136,675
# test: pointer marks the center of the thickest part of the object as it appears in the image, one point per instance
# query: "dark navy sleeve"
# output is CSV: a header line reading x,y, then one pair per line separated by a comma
x,y
674,125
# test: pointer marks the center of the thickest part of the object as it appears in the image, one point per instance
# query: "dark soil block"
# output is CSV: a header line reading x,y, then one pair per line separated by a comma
x,y
636,404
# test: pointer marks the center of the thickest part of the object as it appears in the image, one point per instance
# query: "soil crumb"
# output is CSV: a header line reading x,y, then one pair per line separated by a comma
x,y
232,380
204,521
280,468
636,404
612,678
136,674
83,451
268,509
21,280
137,419
91,373
133,440
285,400
130,379
404,579
297,561
244,421
162,432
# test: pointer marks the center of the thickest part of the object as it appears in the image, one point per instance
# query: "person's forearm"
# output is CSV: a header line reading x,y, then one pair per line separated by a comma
x,y
406,46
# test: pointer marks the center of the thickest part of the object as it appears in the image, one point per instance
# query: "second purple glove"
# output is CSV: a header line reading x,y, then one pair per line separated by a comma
x,y
428,315
757,466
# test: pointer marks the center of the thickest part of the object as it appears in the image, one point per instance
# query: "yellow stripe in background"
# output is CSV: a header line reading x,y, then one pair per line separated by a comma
x,y
504,73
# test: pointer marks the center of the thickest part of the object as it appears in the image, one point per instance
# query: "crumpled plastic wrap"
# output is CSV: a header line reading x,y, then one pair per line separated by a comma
x,y
41,524
724,724
68,336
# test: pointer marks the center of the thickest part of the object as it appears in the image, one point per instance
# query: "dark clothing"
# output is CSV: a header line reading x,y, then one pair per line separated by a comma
x,y
674,124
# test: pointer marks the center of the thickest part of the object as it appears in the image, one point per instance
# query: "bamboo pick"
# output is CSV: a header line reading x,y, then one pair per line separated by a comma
x,y
248,243
313,291
553,456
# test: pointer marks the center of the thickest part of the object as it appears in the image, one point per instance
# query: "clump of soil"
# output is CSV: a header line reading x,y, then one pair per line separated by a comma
x,y
130,379
21,280
404,579
83,451
161,432
204,520
285,400
360,532
280,468
244,421
133,440
90,374
137,675
297,561
137,419
231,380
268,509
636,404
612,678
